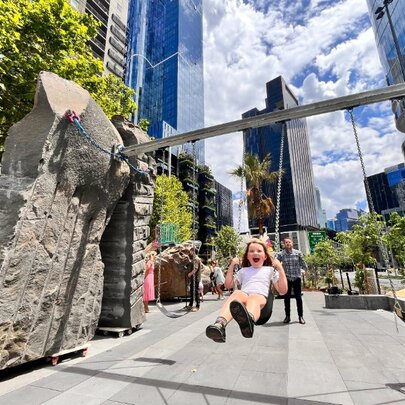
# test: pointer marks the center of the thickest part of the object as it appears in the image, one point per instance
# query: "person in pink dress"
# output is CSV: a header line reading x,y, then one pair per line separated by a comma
x,y
149,281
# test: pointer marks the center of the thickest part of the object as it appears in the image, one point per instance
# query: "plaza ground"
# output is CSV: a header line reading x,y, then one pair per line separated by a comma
x,y
338,357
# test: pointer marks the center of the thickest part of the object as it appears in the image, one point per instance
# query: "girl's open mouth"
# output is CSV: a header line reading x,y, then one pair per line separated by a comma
x,y
256,259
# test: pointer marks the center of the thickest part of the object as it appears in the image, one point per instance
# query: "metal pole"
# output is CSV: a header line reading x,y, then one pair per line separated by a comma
x,y
348,281
170,162
341,277
341,103
394,37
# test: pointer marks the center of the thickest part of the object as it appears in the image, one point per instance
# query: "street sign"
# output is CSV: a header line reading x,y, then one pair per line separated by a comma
x,y
315,238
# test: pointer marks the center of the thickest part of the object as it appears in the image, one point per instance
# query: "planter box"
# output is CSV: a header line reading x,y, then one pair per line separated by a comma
x,y
371,302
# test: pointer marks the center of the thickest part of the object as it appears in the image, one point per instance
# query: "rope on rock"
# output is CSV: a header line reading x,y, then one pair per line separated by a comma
x,y
116,154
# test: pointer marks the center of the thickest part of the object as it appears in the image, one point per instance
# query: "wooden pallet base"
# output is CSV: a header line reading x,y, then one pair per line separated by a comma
x,y
80,350
119,332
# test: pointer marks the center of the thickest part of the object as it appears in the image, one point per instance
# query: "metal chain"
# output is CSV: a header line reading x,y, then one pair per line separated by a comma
x,y
118,154
381,245
162,188
241,187
194,217
278,197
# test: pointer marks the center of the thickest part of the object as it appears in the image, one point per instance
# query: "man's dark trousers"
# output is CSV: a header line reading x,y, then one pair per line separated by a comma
x,y
194,293
296,286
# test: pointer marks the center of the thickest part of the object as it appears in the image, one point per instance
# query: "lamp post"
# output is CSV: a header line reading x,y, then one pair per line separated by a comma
x,y
380,11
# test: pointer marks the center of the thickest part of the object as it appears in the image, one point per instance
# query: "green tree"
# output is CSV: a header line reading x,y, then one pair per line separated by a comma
x,y
256,173
170,206
395,239
313,274
327,257
361,245
50,35
227,243
322,263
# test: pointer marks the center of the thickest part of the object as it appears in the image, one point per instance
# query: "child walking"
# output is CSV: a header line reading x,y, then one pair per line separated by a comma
x,y
244,305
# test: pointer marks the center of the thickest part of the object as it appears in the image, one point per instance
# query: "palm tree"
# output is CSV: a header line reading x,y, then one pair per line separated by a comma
x,y
256,172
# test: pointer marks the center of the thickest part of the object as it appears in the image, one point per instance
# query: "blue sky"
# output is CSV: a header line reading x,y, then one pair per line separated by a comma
x,y
323,49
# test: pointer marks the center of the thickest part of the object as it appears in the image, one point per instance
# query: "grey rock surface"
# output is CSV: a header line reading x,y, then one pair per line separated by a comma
x,y
57,193
124,240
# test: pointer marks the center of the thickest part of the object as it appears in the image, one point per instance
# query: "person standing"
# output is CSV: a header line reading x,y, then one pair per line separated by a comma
x,y
219,279
149,281
293,262
195,276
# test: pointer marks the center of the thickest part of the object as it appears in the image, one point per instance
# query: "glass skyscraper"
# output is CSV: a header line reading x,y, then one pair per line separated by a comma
x,y
165,66
298,204
385,34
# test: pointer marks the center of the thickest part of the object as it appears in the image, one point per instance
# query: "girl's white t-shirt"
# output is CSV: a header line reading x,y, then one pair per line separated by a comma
x,y
257,280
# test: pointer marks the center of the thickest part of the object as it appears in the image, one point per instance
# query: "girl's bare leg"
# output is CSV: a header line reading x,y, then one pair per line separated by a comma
x,y
235,296
254,304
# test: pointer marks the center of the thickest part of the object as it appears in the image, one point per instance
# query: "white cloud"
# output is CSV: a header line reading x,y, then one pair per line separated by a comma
x,y
327,49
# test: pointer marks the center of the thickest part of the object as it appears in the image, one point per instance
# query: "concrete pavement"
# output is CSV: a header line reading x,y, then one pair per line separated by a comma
x,y
338,357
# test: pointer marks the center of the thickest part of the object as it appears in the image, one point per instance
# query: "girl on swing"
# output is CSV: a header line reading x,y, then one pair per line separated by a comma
x,y
244,305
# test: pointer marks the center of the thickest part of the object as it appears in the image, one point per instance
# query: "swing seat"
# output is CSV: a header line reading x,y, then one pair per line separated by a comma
x,y
267,310
169,314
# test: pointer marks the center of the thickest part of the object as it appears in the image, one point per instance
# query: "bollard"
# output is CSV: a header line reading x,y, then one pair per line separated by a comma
x,y
341,278
377,281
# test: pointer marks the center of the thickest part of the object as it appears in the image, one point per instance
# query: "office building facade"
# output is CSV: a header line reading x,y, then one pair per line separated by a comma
x,y
387,35
165,66
110,44
320,212
388,21
224,206
382,196
387,190
346,218
298,210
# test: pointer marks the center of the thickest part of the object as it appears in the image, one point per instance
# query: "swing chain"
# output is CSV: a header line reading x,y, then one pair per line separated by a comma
x,y
159,228
278,197
194,214
368,193
380,243
242,195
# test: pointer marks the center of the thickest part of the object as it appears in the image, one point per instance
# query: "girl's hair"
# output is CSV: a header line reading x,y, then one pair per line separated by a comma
x,y
267,262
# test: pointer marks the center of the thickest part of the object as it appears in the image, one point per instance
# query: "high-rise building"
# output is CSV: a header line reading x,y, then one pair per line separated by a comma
x,y
388,21
387,190
389,28
346,219
320,213
165,66
298,202
381,194
110,44
224,206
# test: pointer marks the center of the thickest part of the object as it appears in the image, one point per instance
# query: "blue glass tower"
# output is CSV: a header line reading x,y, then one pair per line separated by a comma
x,y
165,66
389,30
298,204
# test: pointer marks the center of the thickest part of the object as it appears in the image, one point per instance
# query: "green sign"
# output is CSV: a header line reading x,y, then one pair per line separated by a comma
x,y
315,238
